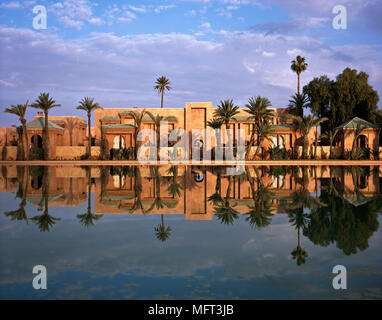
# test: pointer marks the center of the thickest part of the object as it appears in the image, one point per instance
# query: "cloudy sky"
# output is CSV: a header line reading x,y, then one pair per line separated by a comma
x,y
210,49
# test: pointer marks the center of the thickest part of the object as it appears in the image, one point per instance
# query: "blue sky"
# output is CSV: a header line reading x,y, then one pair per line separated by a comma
x,y
209,49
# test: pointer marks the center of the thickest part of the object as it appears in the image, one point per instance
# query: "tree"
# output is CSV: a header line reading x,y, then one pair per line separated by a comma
x,y
357,133
138,120
297,104
304,125
258,109
70,124
330,136
162,84
298,66
216,124
341,100
88,105
157,124
20,111
264,131
45,103
226,112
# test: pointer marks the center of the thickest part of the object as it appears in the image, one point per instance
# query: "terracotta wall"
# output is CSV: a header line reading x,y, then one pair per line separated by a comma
x,y
75,153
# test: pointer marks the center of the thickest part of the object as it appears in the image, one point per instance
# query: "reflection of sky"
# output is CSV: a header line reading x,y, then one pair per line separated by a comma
x,y
121,258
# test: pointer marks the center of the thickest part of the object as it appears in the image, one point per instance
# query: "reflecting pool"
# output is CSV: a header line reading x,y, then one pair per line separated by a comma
x,y
190,232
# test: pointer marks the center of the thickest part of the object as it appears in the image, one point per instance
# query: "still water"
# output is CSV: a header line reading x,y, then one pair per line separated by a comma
x,y
167,232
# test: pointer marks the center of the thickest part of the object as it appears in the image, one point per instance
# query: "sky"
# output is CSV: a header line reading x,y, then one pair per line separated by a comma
x,y
209,49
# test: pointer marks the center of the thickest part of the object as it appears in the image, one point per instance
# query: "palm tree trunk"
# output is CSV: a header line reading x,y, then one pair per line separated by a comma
x,y
46,138
298,83
315,151
90,136
161,105
26,144
250,144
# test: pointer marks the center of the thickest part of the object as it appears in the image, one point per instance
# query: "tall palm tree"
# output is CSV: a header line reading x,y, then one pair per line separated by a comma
x,y
88,105
20,111
264,131
138,120
357,133
304,125
162,84
297,104
226,112
216,124
298,66
161,232
259,111
330,136
71,124
45,103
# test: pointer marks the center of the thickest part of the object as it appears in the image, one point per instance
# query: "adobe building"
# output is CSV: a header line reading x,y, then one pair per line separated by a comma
x,y
118,125
68,134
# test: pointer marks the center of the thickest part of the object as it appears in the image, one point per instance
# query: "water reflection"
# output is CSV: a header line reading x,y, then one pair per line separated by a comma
x,y
327,205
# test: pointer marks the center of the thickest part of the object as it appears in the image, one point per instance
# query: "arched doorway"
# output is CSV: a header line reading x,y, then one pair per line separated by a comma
x,y
362,141
36,141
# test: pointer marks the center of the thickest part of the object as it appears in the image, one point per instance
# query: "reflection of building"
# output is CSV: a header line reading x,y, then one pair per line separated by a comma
x,y
155,190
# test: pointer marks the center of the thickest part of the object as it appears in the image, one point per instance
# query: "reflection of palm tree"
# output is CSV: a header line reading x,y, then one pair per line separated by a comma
x,y
260,213
87,219
175,187
161,232
137,205
20,213
224,210
299,220
216,197
45,221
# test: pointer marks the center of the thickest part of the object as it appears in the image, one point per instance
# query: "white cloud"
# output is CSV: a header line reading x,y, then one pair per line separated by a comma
x,y
159,9
11,5
236,65
72,13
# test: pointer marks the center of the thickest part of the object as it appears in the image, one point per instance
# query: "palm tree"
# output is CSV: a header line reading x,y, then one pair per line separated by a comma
x,y
71,124
87,219
216,124
138,120
162,84
157,123
161,232
299,65
330,136
304,125
88,105
226,112
259,112
45,103
264,131
297,104
357,133
20,111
